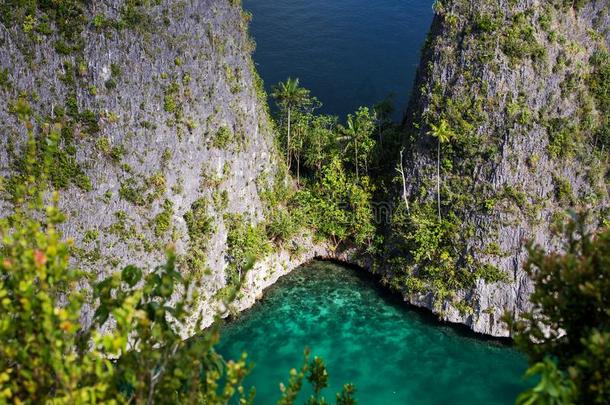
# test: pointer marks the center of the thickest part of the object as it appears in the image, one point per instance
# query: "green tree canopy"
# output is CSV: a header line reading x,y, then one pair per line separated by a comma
x,y
570,319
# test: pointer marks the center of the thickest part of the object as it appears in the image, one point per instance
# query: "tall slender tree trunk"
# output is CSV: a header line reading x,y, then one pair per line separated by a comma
x,y
401,170
438,178
288,142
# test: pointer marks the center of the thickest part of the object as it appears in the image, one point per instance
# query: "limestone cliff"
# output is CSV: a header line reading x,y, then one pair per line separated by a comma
x,y
518,93
163,129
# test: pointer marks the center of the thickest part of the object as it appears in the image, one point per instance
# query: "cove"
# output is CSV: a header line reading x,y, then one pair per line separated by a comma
x,y
392,353
349,53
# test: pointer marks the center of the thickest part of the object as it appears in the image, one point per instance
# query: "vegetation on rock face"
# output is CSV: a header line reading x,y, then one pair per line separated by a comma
x,y
246,243
47,354
566,335
334,163
290,97
130,350
551,116
70,336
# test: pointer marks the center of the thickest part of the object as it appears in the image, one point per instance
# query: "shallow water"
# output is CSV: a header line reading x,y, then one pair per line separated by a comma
x,y
393,354
348,52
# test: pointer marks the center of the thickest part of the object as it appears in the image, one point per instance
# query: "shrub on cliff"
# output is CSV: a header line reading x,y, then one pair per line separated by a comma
x,y
129,349
569,324
130,352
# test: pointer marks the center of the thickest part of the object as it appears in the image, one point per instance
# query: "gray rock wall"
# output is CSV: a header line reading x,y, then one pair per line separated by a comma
x,y
519,73
174,99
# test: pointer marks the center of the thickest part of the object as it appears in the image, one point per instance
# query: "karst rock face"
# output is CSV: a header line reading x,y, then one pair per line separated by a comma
x,y
160,136
162,118
519,87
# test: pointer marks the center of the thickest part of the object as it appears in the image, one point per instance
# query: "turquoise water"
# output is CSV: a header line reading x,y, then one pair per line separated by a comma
x,y
393,354
348,52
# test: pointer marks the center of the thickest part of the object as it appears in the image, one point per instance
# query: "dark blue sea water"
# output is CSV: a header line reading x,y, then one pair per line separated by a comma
x,y
393,354
348,52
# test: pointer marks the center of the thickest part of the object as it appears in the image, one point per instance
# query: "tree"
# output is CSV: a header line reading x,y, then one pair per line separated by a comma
x,y
569,322
300,131
401,170
48,355
383,111
318,378
443,134
289,95
358,132
321,141
338,207
131,349
552,389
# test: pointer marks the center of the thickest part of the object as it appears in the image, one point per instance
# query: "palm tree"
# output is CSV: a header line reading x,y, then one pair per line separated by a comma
x,y
289,95
358,132
443,134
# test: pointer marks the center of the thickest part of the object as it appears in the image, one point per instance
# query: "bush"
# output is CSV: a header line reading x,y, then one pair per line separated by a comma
x,y
570,321
338,207
48,355
131,350
246,243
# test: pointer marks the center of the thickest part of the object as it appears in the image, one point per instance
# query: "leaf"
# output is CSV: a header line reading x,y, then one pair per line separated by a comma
x,y
131,275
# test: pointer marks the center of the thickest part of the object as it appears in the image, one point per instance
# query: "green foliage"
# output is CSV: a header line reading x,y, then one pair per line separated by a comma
x,y
338,207
282,225
132,350
37,356
246,244
143,192
442,131
347,395
570,320
5,82
223,138
317,376
220,200
115,153
552,389
47,355
563,138
134,14
130,191
358,131
485,23
563,191
283,216
599,84
428,262
519,40
163,220
320,141
171,102
67,16
289,94
290,98
200,228
66,170
336,198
